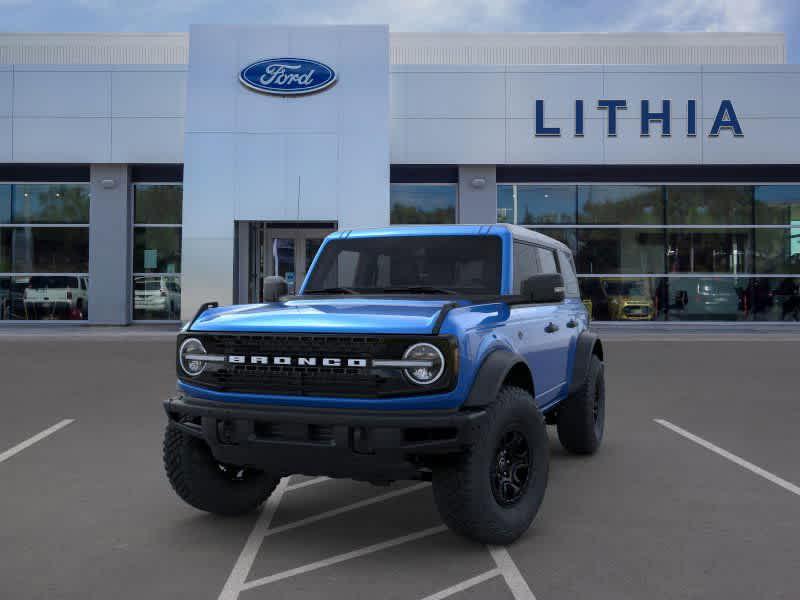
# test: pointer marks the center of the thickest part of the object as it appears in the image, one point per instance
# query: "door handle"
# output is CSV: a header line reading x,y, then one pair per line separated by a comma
x,y
551,327
572,323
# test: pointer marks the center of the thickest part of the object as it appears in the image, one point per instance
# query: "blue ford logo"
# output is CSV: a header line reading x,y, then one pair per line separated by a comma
x,y
287,76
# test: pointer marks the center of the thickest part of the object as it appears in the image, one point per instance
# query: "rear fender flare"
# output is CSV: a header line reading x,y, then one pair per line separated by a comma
x,y
588,345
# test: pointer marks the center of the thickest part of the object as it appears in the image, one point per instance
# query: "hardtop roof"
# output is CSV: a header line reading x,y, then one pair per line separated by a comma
x,y
516,231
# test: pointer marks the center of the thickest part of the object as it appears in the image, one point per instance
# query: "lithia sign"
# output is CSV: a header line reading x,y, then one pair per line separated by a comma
x,y
726,119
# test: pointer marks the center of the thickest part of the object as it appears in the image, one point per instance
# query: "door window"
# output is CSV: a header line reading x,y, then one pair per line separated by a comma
x,y
526,264
547,260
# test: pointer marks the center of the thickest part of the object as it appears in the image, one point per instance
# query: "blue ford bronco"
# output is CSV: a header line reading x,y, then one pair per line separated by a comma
x,y
422,352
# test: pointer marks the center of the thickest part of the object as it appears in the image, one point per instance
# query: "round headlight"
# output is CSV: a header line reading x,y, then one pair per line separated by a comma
x,y
427,373
190,356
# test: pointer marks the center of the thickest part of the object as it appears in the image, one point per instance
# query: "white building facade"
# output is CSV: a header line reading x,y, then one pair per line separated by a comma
x,y
141,176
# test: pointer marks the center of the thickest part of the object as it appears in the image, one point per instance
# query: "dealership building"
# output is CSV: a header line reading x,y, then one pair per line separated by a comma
x,y
144,174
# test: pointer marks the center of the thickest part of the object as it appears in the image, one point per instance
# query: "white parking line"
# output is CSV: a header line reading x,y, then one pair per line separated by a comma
x,y
354,506
788,486
508,569
464,585
306,483
32,440
261,530
343,557
241,569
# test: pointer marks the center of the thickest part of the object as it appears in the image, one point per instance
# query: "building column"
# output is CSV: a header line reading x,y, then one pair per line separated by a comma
x,y
477,194
109,245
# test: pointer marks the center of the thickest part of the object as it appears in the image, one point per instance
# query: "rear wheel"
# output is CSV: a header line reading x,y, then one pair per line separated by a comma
x,y
581,419
201,481
492,492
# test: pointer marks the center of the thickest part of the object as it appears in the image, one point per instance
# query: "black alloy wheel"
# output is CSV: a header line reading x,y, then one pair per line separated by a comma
x,y
511,468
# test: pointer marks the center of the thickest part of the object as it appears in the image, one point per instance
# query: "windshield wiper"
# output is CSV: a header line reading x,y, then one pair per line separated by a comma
x,y
333,290
419,289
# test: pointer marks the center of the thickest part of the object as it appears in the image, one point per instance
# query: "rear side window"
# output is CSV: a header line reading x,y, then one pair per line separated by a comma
x,y
568,271
526,263
547,260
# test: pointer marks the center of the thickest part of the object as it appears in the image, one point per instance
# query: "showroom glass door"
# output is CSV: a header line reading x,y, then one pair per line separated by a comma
x,y
285,250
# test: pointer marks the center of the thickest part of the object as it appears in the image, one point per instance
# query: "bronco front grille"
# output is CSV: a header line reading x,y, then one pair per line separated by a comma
x,y
295,380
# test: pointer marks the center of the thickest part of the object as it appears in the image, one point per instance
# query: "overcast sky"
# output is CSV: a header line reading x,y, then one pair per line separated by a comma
x,y
413,15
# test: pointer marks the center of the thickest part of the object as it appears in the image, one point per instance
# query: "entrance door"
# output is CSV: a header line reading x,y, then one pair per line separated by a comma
x,y
284,249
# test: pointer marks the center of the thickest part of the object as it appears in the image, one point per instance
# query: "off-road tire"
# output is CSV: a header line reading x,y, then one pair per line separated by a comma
x,y
462,486
581,417
206,485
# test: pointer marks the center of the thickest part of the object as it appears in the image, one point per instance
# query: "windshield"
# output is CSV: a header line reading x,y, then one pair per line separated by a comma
x,y
468,265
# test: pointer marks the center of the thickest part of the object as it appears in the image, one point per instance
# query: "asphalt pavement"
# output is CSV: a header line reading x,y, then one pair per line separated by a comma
x,y
693,494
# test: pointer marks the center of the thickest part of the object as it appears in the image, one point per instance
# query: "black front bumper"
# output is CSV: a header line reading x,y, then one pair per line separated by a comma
x,y
369,445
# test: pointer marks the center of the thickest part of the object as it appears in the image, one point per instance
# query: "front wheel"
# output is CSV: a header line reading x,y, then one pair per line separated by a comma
x,y
492,492
204,483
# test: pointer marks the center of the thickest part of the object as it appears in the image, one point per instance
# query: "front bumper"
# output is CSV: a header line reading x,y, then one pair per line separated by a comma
x,y
362,444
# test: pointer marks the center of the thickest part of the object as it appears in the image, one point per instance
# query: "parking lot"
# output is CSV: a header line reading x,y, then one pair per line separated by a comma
x,y
693,494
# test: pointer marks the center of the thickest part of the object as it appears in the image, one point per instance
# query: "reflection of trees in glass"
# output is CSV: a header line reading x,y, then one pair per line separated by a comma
x,y
777,204
412,215
422,204
709,205
537,204
620,204
505,203
158,204
565,236
777,251
44,203
613,251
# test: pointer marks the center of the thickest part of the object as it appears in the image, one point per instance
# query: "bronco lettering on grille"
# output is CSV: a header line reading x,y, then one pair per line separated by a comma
x,y
299,361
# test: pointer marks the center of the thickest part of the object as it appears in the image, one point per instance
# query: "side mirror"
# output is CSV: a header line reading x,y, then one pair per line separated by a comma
x,y
275,287
544,287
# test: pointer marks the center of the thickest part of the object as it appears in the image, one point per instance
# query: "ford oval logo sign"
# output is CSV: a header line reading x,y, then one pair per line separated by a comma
x,y
287,76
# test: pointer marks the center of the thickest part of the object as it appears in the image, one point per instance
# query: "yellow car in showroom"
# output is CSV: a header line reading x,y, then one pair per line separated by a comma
x,y
628,299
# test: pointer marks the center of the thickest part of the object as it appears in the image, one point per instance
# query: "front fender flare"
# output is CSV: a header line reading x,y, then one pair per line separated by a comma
x,y
588,344
490,377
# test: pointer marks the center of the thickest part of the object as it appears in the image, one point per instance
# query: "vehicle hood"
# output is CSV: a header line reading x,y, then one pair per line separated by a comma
x,y
339,315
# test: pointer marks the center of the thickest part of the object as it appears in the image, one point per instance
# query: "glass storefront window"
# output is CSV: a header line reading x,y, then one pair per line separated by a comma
x,y
422,203
723,252
158,204
708,299
539,204
157,213
536,204
710,251
778,205
157,250
775,299
156,297
5,203
505,204
624,298
44,204
778,250
44,249
568,237
609,251
709,205
43,263
620,204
